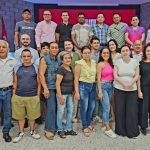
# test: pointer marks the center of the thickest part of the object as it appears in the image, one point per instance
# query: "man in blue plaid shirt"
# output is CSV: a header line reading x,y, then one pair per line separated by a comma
x,y
100,30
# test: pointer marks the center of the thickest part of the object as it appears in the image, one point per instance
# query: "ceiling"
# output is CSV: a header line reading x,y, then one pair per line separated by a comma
x,y
89,2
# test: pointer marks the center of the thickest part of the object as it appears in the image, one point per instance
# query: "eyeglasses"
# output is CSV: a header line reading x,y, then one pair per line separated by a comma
x,y
47,14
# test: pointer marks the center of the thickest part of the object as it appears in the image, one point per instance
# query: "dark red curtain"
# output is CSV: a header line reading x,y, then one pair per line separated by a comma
x,y
126,14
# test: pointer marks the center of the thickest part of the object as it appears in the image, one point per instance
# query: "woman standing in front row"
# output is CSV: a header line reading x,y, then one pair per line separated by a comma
x,y
105,87
85,77
126,73
144,89
65,89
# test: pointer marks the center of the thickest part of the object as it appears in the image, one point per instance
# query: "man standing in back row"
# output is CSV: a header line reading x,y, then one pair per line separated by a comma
x,y
81,33
45,30
117,30
100,30
25,27
63,30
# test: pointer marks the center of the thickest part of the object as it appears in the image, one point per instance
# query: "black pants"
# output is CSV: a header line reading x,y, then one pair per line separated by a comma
x,y
144,107
126,113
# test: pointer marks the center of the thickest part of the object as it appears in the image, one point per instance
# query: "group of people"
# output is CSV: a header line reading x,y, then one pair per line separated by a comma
x,y
101,71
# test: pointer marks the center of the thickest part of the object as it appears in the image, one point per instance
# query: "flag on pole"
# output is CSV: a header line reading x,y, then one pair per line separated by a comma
x,y
4,34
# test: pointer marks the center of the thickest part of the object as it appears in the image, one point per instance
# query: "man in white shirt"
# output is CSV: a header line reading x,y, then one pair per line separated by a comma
x,y
7,64
81,33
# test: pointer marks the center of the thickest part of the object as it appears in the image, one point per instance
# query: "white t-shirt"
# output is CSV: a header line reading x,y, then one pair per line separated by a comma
x,y
126,72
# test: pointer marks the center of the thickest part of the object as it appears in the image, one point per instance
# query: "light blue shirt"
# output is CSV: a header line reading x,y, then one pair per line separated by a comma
x,y
95,56
34,53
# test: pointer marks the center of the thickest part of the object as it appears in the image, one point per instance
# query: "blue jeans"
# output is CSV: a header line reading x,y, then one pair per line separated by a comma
x,y
107,89
5,104
60,111
50,120
87,102
97,108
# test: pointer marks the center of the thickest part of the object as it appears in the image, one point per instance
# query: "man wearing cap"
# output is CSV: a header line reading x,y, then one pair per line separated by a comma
x,y
25,27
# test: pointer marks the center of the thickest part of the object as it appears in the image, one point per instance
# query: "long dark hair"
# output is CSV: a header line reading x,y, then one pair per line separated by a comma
x,y
109,59
144,51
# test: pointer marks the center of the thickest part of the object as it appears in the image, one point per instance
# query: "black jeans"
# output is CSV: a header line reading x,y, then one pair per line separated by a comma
x,y
126,113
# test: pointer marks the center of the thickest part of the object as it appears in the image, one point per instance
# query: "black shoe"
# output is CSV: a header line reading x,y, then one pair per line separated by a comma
x,y
73,133
62,134
143,131
7,137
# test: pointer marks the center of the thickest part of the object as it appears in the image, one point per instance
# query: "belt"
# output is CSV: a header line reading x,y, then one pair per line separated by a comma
x,y
6,88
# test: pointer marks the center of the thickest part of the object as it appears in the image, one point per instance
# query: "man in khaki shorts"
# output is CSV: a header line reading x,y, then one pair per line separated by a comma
x,y
26,92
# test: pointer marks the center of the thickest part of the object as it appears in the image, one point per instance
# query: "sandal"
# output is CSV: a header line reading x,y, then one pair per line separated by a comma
x,y
49,135
86,132
62,134
73,133
92,129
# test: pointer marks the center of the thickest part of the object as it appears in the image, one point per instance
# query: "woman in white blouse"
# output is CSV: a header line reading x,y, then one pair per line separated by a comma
x,y
126,73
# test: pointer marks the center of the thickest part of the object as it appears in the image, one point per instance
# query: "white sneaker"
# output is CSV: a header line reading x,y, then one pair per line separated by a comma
x,y
110,133
18,137
35,135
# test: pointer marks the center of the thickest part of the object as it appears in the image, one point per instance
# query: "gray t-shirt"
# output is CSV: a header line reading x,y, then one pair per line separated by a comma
x,y
126,72
26,28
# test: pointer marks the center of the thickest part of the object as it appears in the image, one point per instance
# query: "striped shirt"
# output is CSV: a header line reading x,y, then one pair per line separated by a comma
x,y
117,32
101,33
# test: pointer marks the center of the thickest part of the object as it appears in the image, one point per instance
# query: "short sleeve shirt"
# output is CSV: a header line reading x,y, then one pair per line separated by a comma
x,y
126,72
117,32
83,33
26,28
6,71
67,84
64,32
134,35
26,80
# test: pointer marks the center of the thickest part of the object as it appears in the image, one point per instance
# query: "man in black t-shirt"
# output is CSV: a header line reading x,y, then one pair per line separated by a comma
x,y
63,30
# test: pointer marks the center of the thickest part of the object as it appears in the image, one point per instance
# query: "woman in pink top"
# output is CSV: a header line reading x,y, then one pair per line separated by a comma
x,y
105,87
134,32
